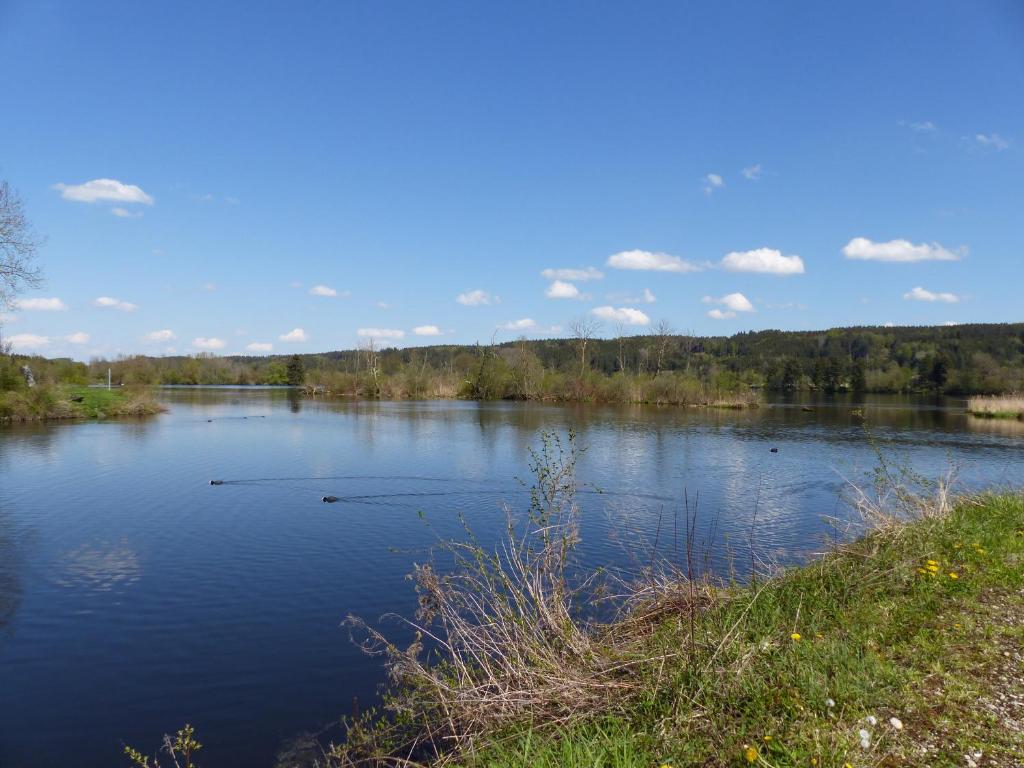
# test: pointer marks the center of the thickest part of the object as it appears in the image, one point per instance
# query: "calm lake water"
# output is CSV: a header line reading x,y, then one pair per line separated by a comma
x,y
135,596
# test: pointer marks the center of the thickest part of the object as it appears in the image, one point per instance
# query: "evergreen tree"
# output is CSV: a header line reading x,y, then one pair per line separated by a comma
x,y
296,371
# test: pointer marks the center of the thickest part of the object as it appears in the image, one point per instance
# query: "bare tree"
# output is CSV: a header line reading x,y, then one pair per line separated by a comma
x,y
18,246
583,330
620,336
662,334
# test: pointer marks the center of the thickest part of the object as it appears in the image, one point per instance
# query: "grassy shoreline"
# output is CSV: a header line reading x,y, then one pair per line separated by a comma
x,y
901,648
62,402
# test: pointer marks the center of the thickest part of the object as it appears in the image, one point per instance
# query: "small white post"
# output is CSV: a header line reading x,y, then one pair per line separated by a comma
x,y
108,378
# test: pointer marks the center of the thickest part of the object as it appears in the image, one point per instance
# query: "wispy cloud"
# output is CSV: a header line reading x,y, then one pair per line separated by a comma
x,y
380,333
260,346
581,275
109,302
426,330
165,334
103,190
767,261
863,249
78,337
623,297
992,141
208,343
124,213
752,172
720,314
711,182
52,304
27,342
523,324
294,335
922,294
624,315
323,290
735,302
563,290
926,126
476,298
652,261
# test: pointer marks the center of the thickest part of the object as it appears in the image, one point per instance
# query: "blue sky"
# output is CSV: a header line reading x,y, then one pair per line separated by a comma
x,y
198,169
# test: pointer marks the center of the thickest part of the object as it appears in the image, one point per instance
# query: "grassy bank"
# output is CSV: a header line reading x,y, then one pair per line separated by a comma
x,y
43,403
997,406
902,649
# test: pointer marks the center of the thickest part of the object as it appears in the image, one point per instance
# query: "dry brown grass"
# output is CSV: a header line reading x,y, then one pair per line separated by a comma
x,y
997,406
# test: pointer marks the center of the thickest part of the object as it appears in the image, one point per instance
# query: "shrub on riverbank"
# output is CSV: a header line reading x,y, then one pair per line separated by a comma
x,y
48,402
997,406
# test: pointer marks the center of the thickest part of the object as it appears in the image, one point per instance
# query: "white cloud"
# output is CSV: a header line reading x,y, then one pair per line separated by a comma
x,y
476,298
380,333
124,213
384,305
562,290
763,260
103,189
107,301
735,302
712,182
921,294
753,172
624,297
523,324
582,275
259,346
27,341
992,141
862,249
41,305
650,261
211,343
78,337
625,315
322,290
294,335
162,335
426,330
718,314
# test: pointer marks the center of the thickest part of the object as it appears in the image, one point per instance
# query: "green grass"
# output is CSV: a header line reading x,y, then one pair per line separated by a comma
x,y
879,636
74,402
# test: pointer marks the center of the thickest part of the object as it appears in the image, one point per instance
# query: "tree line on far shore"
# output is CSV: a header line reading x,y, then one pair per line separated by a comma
x,y
662,366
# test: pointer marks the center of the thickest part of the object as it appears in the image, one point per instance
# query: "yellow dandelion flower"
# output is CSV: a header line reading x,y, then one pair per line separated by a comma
x,y
932,567
958,626
767,738
750,754
814,761
795,637
932,562
922,571
953,575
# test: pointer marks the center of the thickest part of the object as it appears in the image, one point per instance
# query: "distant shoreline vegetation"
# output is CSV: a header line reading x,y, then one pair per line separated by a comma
x,y
997,407
662,367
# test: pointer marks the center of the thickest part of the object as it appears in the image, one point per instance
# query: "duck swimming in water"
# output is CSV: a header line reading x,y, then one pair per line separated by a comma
x,y
329,499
